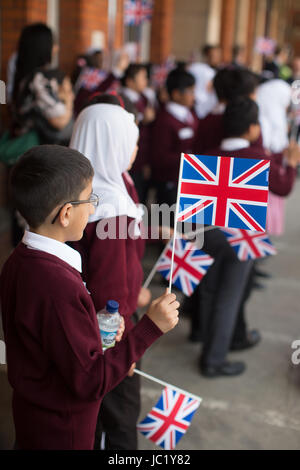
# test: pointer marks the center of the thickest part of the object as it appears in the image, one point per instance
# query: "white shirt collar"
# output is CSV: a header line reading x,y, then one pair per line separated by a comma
x,y
132,95
53,247
178,111
234,143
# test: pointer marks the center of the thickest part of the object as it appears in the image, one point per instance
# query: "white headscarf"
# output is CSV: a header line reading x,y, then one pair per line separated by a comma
x,y
107,135
273,99
206,99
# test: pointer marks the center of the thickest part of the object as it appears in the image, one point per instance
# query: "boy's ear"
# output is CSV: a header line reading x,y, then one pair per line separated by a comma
x,y
65,215
253,132
176,95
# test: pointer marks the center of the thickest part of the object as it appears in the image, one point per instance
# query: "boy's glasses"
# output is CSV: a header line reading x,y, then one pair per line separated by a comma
x,y
94,200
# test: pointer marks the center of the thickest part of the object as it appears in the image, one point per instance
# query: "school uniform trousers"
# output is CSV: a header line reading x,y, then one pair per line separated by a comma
x,y
220,299
119,413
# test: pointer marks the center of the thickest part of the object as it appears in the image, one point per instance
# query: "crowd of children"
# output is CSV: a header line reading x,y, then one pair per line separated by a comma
x,y
126,138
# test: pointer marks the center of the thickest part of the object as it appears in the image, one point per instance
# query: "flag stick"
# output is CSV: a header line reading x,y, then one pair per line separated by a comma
x,y
153,270
175,224
165,384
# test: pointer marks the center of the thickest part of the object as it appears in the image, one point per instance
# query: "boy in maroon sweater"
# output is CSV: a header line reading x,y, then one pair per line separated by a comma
x,y
229,84
55,361
174,132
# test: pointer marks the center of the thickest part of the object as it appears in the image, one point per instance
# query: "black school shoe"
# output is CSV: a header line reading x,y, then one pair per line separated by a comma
x,y
252,339
227,369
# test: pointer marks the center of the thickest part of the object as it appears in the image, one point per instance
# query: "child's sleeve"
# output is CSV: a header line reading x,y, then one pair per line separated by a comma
x,y
71,340
165,152
49,105
281,178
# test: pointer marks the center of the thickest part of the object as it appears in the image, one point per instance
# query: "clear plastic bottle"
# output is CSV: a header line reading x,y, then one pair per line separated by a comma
x,y
109,322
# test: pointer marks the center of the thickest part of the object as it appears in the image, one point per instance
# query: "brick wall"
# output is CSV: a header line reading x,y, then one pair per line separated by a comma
x,y
78,19
15,14
161,30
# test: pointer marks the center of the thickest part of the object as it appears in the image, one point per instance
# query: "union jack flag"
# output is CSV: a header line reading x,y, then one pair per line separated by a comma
x,y
190,265
159,73
224,191
248,244
265,46
169,419
137,11
90,78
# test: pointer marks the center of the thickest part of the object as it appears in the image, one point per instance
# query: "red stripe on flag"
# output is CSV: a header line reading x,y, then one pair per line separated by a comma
x,y
168,420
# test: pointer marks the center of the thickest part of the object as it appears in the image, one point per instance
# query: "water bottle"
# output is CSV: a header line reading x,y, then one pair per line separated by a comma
x,y
109,322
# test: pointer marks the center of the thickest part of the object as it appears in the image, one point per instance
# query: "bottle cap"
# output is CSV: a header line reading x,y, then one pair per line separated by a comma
x,y
112,306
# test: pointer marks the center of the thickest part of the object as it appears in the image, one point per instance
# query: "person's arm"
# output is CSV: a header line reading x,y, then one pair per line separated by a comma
x,y
71,339
283,170
61,121
56,111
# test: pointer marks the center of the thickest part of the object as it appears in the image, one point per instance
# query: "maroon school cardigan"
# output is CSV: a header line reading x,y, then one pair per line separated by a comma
x,y
112,268
143,154
54,357
167,146
281,178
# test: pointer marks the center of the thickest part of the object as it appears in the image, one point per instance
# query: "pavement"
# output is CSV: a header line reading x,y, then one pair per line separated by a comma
x,y
257,410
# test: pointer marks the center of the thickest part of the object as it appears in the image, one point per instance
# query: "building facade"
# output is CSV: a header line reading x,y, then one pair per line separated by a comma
x,y
177,27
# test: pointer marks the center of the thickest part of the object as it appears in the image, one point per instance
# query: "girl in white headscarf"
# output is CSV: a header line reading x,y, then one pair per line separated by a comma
x,y
107,135
273,99
205,96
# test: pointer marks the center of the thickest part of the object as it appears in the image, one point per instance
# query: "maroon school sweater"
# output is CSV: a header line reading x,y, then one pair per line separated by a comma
x,y
143,154
112,267
54,357
281,178
167,145
211,133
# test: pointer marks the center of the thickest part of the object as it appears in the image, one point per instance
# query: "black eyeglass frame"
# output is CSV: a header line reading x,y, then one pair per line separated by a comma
x,y
94,199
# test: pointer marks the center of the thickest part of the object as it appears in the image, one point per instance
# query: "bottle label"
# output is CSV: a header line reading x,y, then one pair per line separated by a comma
x,y
108,339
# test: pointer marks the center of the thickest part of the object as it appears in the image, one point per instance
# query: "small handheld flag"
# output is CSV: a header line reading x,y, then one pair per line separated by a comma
x,y
190,265
170,418
137,11
223,191
248,244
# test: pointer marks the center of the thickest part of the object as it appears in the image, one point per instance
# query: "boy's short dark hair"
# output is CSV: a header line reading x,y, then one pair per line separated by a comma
x,y
239,115
131,72
45,177
207,48
179,79
232,82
